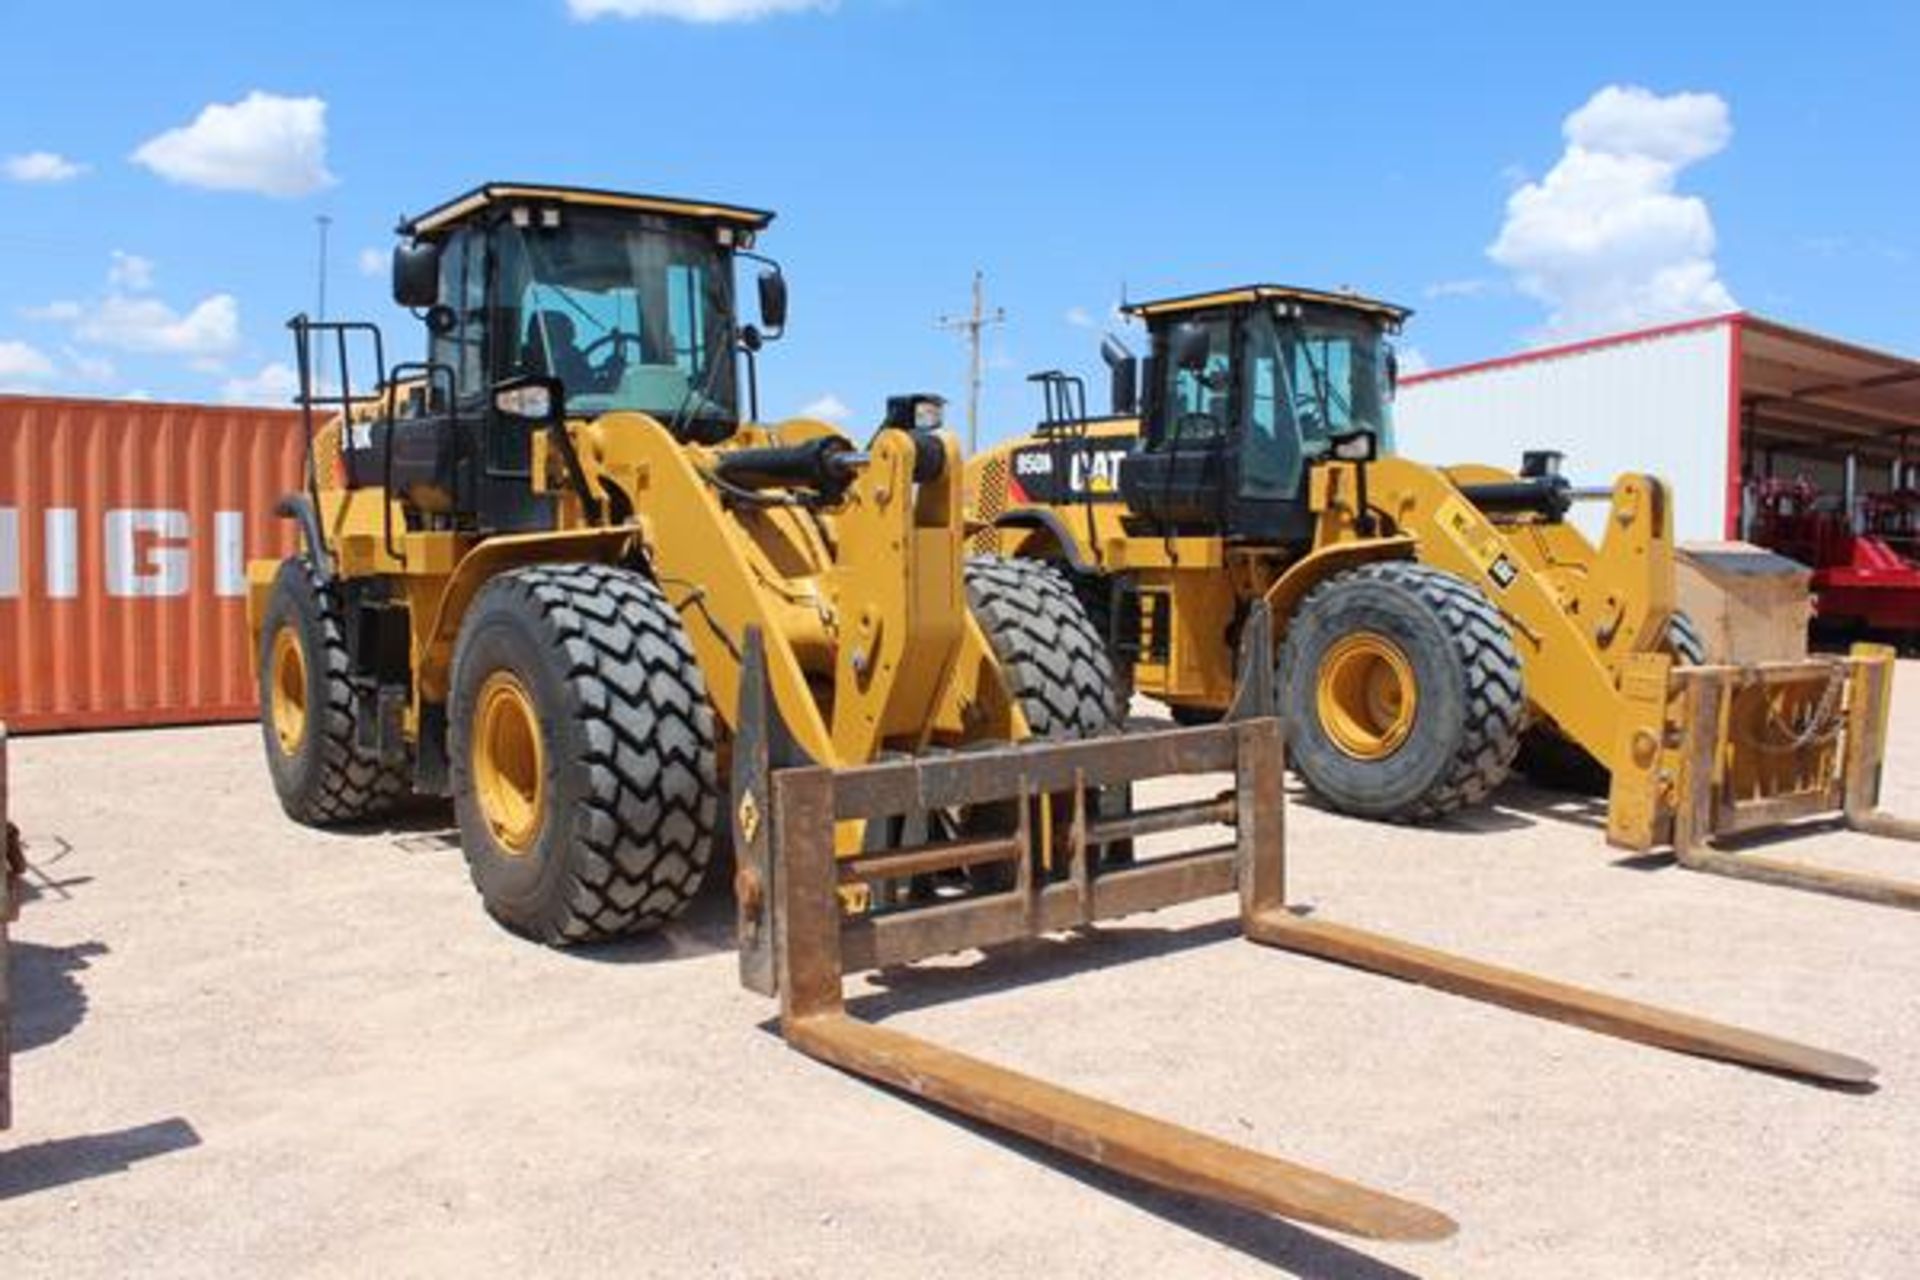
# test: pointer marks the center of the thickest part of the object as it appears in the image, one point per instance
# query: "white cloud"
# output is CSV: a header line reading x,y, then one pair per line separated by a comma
x,y
264,143
1082,318
23,366
62,312
90,368
212,328
828,408
1412,361
42,166
130,271
1602,240
274,385
705,11
1472,287
372,262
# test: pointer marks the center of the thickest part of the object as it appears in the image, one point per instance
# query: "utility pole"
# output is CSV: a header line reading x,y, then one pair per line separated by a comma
x,y
973,323
324,221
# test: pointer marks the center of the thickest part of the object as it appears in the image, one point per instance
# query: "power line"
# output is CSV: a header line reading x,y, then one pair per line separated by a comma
x,y
972,323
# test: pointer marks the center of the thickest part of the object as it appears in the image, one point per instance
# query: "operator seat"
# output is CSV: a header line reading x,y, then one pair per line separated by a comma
x,y
552,349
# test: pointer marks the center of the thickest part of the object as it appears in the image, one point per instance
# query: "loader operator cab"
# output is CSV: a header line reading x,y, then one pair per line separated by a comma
x,y
611,302
1245,391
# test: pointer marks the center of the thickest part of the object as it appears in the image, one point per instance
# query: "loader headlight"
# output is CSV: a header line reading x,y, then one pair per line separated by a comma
x,y
532,400
916,413
1355,446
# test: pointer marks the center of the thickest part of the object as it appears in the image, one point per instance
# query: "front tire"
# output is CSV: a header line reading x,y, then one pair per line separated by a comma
x,y
582,746
308,712
1550,759
1402,692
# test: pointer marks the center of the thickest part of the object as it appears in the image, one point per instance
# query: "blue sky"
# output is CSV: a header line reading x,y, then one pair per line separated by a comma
x,y
1063,148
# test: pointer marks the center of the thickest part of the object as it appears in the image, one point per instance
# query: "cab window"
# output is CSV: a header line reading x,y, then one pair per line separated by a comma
x,y
1270,460
1199,403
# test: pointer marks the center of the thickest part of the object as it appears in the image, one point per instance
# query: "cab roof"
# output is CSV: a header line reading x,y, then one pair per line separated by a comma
x,y
1249,294
482,197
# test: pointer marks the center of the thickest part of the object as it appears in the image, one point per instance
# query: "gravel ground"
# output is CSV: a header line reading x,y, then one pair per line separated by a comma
x,y
248,1048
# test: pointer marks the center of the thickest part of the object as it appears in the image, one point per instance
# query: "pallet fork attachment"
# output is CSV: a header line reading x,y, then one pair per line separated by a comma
x,y
797,940
1775,743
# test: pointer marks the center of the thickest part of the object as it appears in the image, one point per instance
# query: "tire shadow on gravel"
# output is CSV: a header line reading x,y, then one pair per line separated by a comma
x,y
49,1000
1492,817
60,1162
1028,963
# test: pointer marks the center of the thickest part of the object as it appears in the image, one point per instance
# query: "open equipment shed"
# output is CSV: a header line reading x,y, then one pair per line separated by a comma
x,y
1712,406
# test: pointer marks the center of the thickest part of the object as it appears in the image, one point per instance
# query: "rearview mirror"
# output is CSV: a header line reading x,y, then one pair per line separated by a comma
x,y
416,274
773,301
1189,346
1123,377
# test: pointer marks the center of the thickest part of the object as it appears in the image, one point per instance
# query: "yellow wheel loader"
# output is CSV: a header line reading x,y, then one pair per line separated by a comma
x,y
559,572
1435,624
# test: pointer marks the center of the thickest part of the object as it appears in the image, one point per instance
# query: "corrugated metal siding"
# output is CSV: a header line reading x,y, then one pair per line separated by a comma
x,y
1657,404
125,529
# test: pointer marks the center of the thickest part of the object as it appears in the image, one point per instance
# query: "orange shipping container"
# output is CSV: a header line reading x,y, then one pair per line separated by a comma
x,y
125,530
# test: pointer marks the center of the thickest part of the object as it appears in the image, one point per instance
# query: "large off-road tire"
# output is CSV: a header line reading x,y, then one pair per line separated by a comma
x,y
1684,641
308,715
1552,760
1100,598
583,757
1058,669
1401,692
1054,657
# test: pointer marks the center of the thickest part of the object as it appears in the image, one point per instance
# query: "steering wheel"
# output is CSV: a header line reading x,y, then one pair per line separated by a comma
x,y
615,338
1194,426
1306,408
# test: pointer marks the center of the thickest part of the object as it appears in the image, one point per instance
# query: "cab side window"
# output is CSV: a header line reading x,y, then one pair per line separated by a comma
x,y
1199,403
463,286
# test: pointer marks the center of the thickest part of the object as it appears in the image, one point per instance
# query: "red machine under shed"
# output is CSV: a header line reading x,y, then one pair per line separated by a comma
x,y
1861,578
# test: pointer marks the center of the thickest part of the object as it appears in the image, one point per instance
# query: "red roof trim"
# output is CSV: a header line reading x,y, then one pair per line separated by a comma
x,y
1575,348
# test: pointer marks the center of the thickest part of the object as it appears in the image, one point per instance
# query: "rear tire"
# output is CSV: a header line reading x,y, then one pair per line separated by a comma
x,y
308,714
1057,667
582,748
1402,692
1054,657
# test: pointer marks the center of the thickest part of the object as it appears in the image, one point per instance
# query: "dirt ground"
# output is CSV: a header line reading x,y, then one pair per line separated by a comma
x,y
248,1048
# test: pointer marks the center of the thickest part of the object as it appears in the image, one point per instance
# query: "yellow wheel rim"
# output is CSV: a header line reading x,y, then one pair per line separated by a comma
x,y
1367,696
287,691
509,763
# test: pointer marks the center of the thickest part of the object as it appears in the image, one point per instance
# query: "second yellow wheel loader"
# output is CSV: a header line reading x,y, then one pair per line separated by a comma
x,y
559,572
1435,624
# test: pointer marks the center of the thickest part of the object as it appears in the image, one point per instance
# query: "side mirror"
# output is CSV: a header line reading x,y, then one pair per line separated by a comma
x,y
1355,446
531,398
773,301
1124,373
1393,373
416,274
1189,346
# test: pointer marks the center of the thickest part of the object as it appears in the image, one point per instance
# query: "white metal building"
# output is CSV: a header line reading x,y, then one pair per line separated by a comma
x,y
1709,406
